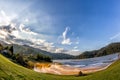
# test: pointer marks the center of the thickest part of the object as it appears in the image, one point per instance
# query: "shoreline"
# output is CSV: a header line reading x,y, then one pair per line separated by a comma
x,y
95,69
58,69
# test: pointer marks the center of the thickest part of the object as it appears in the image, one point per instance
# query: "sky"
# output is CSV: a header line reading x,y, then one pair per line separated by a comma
x,y
75,25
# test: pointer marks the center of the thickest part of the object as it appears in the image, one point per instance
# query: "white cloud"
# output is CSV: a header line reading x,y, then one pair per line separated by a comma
x,y
25,34
66,40
75,47
59,50
4,20
26,30
73,52
115,36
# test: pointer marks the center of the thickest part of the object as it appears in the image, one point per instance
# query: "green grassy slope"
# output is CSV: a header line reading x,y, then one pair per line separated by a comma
x,y
12,71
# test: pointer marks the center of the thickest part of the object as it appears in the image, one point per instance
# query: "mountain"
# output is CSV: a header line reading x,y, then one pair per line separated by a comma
x,y
25,49
109,49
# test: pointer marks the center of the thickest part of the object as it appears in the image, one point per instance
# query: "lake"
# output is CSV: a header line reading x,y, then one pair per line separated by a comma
x,y
91,62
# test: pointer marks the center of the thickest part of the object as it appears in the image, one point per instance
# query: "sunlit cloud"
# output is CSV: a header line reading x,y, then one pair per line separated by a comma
x,y
66,40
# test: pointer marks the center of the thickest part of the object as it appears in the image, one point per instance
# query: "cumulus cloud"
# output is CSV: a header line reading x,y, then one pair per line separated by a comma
x,y
23,33
26,30
26,34
66,40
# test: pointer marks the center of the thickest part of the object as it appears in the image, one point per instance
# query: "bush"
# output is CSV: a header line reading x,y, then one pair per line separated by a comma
x,y
30,64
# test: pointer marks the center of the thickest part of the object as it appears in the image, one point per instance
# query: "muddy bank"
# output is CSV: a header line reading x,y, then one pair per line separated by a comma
x,y
55,68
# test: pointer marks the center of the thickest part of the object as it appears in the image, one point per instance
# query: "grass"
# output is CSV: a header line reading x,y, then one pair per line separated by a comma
x,y
12,71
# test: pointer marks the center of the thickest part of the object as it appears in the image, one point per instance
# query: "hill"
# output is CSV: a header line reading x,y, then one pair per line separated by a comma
x,y
12,71
25,49
109,49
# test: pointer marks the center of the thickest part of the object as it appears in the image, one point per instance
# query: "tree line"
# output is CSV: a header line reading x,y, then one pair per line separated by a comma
x,y
26,60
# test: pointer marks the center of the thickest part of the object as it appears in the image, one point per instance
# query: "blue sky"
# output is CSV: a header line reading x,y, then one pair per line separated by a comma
x,y
70,24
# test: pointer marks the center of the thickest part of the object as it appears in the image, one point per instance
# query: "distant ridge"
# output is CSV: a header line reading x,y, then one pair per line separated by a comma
x,y
109,49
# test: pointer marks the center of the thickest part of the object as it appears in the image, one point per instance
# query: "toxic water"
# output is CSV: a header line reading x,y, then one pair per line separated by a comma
x,y
91,62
